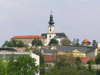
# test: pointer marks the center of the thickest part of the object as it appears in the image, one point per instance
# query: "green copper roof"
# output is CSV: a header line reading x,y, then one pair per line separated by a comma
x,y
51,13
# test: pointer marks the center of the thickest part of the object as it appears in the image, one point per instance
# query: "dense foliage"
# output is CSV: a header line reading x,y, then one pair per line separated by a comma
x,y
24,65
37,42
13,43
97,60
53,42
69,68
65,42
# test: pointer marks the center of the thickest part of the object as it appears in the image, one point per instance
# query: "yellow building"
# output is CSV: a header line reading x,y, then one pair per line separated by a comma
x,y
71,50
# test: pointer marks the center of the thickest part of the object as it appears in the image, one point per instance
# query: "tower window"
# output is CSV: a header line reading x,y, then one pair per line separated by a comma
x,y
50,36
50,29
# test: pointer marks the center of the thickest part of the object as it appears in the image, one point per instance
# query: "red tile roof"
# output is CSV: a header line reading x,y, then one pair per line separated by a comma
x,y
84,41
49,58
29,36
85,59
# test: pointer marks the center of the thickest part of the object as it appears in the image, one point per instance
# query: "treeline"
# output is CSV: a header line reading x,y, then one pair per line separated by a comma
x,y
13,43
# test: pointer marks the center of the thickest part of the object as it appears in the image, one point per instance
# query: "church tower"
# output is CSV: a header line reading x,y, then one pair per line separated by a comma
x,y
51,27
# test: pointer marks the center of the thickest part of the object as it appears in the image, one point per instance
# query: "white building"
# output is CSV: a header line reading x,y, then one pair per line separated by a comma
x,y
93,51
51,33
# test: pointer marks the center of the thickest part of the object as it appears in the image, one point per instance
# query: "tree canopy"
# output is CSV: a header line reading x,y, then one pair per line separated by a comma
x,y
65,42
24,65
53,42
13,43
97,59
37,42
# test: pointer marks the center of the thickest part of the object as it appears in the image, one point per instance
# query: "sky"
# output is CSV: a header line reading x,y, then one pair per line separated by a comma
x,y
76,18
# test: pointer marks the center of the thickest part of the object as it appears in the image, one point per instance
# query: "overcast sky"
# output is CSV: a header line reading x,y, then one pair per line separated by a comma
x,y
76,18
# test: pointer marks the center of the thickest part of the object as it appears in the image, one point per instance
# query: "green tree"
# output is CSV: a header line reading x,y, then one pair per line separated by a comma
x,y
5,44
65,42
77,42
94,43
91,61
24,65
53,41
37,42
20,43
42,62
10,44
27,49
14,42
97,59
3,64
78,63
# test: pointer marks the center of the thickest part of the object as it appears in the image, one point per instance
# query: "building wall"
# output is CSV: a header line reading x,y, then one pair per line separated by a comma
x,y
29,40
92,53
75,54
86,44
49,38
51,29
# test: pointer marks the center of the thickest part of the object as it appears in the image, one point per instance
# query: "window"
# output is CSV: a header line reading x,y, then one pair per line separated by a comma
x,y
49,64
50,29
46,65
50,36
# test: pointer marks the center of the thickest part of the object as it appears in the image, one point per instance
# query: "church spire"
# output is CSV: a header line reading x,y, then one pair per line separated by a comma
x,y
51,19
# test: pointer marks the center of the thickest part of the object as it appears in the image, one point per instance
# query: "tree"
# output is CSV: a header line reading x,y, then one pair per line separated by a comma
x,y
91,61
74,41
77,42
10,44
20,43
27,49
53,41
37,42
24,65
14,42
97,59
5,44
78,63
3,64
65,42
42,62
94,43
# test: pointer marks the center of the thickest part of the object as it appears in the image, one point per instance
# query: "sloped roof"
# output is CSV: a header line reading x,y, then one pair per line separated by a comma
x,y
85,41
71,48
92,49
58,35
49,58
49,51
8,49
85,59
27,36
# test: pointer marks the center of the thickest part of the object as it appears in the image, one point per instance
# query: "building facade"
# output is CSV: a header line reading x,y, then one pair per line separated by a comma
x,y
29,38
93,51
71,50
